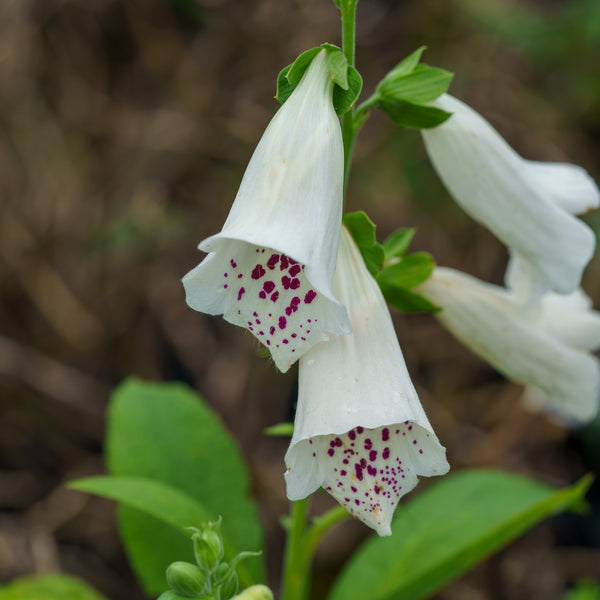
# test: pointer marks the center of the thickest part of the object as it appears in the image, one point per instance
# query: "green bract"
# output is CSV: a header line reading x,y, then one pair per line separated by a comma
x,y
405,91
395,273
348,82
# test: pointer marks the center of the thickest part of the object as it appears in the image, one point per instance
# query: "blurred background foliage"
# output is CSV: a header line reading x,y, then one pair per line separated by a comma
x,y
125,127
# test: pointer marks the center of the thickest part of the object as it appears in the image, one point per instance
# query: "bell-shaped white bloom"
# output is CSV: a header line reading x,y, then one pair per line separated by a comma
x,y
271,267
360,431
528,205
547,346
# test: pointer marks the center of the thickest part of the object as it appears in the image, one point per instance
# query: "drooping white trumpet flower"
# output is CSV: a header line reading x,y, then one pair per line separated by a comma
x,y
271,267
528,205
360,431
546,346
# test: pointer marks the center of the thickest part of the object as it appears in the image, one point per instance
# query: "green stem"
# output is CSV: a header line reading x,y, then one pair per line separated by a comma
x,y
348,48
321,526
294,568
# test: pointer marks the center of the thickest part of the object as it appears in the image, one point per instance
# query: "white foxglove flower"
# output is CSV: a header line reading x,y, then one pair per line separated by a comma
x,y
360,431
528,205
546,346
271,267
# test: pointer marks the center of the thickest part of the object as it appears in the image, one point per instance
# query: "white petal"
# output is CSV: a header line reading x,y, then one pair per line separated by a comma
x,y
568,186
571,319
289,204
488,320
360,430
511,196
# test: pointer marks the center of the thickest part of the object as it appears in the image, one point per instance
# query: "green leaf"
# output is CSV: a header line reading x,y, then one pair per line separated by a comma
x,y
408,114
159,500
165,432
280,430
338,66
408,272
450,527
373,258
406,301
422,85
343,101
406,65
52,586
362,230
584,590
396,244
162,501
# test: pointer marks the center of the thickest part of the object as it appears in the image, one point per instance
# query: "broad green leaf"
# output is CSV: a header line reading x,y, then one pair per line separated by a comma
x,y
343,101
443,532
406,301
167,433
406,65
338,66
280,430
361,228
396,244
422,85
584,590
408,272
53,586
408,114
162,502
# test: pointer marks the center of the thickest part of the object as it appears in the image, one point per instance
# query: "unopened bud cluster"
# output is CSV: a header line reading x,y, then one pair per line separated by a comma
x,y
210,578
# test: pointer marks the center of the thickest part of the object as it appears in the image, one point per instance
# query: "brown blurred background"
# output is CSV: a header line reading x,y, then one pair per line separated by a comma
x,y
125,127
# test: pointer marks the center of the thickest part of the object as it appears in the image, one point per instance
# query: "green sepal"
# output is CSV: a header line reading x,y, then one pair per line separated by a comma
x,y
362,230
284,87
280,430
409,271
289,77
347,80
338,65
396,244
407,301
408,114
344,100
294,75
423,84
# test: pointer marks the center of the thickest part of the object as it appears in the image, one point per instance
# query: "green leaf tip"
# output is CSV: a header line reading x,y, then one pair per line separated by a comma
x,y
405,92
280,430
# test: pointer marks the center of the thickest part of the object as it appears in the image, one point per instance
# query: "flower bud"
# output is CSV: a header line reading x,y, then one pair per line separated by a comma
x,y
208,545
186,580
255,592
228,580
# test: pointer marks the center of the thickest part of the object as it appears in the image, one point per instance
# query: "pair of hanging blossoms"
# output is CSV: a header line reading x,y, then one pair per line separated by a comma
x,y
360,430
540,329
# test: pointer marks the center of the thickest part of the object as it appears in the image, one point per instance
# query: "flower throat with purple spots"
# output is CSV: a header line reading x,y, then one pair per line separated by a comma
x,y
270,291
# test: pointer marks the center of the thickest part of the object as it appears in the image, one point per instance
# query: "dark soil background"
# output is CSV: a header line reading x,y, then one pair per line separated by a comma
x,y
125,127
